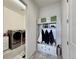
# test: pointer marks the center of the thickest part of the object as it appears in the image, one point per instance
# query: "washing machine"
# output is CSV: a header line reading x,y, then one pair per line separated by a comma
x,y
23,36
15,37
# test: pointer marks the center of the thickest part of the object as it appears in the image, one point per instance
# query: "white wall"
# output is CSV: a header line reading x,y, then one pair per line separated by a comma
x,y
13,20
53,10
31,16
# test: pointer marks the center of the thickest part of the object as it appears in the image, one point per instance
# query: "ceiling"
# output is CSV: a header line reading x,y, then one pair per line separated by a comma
x,y
42,3
13,6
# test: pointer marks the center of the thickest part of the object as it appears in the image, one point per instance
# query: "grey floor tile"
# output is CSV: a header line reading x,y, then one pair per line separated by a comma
x,y
39,55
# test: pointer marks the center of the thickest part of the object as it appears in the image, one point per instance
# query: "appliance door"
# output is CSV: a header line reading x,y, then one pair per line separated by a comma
x,y
17,37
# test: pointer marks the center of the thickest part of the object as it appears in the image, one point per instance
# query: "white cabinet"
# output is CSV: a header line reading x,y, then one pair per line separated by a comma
x,y
47,49
51,19
5,43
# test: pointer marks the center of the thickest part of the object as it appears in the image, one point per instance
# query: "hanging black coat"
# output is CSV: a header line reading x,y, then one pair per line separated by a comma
x,y
43,36
51,37
46,37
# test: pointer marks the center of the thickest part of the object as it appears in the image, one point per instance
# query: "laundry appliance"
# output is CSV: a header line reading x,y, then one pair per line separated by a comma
x,y
16,38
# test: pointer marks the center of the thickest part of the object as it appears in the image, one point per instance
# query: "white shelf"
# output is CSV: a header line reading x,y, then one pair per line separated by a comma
x,y
48,21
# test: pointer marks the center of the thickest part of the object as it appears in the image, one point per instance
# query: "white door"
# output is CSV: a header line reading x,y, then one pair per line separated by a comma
x,y
72,28
65,29
69,29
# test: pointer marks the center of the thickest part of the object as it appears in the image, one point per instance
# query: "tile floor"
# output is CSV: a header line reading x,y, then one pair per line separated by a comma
x,y
10,54
38,55
19,56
